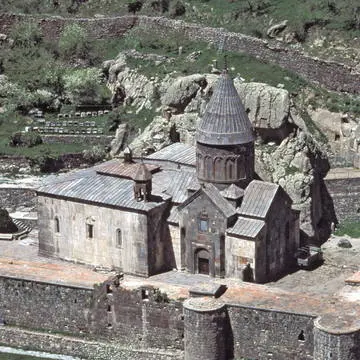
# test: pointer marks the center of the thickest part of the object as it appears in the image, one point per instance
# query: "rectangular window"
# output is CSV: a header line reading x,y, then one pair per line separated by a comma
x,y
203,225
89,231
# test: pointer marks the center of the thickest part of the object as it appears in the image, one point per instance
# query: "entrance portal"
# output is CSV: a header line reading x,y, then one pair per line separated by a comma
x,y
203,266
202,262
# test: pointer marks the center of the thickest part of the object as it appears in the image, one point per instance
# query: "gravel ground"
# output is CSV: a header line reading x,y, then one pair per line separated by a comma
x,y
328,278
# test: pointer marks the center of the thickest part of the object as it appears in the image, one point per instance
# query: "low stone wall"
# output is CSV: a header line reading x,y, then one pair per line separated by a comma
x,y
13,198
334,76
76,139
345,195
85,349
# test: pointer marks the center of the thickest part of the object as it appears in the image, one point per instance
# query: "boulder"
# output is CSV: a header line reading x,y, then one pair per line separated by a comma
x,y
7,225
344,243
268,107
119,140
276,29
180,93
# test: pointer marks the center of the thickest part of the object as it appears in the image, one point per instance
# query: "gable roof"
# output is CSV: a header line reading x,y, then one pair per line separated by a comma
x,y
100,189
178,153
246,227
127,170
225,121
174,182
214,196
258,198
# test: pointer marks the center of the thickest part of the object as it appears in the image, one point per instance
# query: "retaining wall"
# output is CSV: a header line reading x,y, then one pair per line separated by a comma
x,y
332,75
75,139
13,198
128,317
345,195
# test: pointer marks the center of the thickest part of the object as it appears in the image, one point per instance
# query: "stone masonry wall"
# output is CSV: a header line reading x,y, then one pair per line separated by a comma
x,y
333,75
75,139
44,306
345,197
142,318
92,350
13,198
263,334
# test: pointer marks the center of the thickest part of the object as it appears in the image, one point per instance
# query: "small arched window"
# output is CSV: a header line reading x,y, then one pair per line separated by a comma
x,y
57,224
118,238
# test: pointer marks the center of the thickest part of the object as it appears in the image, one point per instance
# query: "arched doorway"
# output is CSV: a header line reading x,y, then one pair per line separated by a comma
x,y
202,262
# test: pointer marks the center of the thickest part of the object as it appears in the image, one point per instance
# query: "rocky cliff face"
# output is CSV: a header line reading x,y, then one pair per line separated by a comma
x,y
286,153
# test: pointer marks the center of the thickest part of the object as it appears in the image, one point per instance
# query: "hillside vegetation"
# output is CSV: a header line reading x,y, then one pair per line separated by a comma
x,y
35,73
252,16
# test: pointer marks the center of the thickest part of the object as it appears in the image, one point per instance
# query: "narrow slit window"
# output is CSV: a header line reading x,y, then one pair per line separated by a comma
x,y
89,231
57,224
119,241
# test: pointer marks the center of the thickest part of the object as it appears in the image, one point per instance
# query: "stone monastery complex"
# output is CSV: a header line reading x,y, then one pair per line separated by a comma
x,y
191,236
194,209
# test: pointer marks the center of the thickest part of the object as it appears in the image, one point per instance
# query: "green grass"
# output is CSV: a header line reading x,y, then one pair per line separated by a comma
x,y
350,228
251,17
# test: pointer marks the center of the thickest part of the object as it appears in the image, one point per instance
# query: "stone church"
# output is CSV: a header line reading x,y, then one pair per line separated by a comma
x,y
196,209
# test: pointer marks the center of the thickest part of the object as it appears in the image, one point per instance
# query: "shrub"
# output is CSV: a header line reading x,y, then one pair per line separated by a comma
x,y
74,43
94,154
28,139
26,34
85,86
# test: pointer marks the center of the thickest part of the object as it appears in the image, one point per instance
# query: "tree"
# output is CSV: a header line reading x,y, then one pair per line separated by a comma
x,y
84,86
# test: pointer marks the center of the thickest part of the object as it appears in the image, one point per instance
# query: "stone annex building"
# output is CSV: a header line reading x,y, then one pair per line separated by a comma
x,y
198,209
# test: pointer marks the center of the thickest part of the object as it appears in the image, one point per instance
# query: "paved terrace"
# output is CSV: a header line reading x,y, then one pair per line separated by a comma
x,y
19,259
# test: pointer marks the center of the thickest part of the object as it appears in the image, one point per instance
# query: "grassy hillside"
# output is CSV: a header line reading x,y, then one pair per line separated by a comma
x,y
252,16
49,76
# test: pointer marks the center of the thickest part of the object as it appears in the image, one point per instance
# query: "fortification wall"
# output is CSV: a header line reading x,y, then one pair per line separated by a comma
x,y
142,317
43,306
79,347
259,333
333,75
336,338
345,194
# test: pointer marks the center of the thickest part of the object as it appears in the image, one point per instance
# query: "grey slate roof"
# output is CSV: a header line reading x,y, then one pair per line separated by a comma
x,y
225,121
246,227
215,197
232,192
177,152
174,216
175,183
96,188
259,195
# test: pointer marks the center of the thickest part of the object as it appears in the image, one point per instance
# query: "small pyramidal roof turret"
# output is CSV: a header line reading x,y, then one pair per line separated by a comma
x,y
142,173
225,121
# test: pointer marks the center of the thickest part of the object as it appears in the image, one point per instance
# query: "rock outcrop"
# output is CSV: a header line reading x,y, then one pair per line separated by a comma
x,y
7,225
286,153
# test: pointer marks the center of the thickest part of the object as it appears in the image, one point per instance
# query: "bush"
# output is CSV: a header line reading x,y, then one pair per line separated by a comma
x,y
94,154
26,34
74,43
85,86
28,139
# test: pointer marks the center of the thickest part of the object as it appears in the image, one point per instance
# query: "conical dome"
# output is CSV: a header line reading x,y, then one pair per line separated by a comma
x,y
225,121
